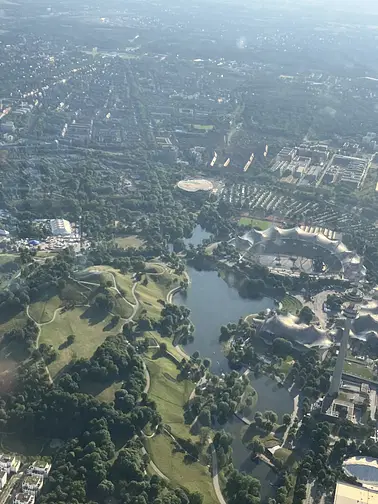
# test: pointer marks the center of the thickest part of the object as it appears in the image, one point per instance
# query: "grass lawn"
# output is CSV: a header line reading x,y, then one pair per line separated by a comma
x,y
157,288
6,258
159,339
255,223
102,392
287,457
286,365
28,447
206,127
129,241
169,394
120,307
43,311
270,440
90,328
291,304
193,476
124,282
359,370
252,431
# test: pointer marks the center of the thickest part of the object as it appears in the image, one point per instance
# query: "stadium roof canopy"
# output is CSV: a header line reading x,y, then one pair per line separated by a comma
x,y
352,266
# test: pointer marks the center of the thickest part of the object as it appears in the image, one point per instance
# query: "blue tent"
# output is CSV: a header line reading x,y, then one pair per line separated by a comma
x,y
34,242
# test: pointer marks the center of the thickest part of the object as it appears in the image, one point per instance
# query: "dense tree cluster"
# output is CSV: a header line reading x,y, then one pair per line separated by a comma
x,y
114,360
27,335
87,468
242,489
217,399
316,462
311,377
175,322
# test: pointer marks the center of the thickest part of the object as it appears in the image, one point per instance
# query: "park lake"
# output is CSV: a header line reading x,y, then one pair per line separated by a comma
x,y
213,302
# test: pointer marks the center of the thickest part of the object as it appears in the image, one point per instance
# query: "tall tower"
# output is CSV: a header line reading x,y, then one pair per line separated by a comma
x,y
353,297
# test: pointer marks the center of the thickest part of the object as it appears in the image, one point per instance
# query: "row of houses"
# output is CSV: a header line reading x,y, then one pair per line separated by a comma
x,y
32,482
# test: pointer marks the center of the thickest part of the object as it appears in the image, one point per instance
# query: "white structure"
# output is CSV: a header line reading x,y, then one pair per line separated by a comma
x,y
32,484
24,498
257,242
9,463
60,227
3,479
350,314
41,469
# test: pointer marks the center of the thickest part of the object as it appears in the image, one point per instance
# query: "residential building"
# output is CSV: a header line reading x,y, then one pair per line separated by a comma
x,y
40,469
3,479
24,498
32,484
9,463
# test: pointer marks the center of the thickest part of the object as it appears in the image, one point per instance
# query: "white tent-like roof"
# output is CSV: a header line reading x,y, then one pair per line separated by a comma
x,y
351,262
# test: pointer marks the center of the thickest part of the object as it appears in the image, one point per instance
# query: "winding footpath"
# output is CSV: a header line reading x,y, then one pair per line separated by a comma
x,y
217,489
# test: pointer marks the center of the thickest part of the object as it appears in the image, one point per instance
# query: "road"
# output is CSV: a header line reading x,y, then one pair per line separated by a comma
x,y
293,416
154,467
148,379
38,336
317,306
216,485
5,494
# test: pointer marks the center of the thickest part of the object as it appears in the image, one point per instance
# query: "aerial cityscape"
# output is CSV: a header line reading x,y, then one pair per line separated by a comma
x,y
188,252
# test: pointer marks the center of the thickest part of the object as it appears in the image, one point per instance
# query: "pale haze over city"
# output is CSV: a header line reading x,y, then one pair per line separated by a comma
x,y
188,252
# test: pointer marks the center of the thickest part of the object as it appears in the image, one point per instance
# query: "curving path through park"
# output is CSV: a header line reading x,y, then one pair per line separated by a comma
x,y
216,485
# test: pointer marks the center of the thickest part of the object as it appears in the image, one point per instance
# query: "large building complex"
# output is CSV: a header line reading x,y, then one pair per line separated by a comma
x,y
60,227
352,494
296,249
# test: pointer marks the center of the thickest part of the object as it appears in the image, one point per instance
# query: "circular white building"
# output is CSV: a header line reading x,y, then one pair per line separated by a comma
x,y
194,185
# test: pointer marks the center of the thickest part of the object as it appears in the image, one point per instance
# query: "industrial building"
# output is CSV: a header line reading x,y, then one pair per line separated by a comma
x,y
60,227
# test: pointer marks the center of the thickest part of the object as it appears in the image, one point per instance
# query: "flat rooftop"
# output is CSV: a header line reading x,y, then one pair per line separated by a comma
x,y
350,494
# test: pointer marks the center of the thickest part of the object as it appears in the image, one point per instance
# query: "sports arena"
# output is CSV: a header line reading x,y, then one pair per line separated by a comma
x,y
296,250
194,185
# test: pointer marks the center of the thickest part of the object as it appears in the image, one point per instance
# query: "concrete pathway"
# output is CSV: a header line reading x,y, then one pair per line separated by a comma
x,y
216,485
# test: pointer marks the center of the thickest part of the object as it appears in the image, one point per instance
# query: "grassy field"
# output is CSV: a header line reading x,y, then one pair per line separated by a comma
x,y
170,347
253,431
28,447
286,365
124,282
90,328
358,369
43,311
169,394
6,258
102,392
204,127
12,353
291,304
193,476
157,288
129,241
254,223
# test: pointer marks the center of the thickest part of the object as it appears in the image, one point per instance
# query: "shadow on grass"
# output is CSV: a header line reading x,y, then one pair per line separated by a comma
x,y
13,350
94,315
